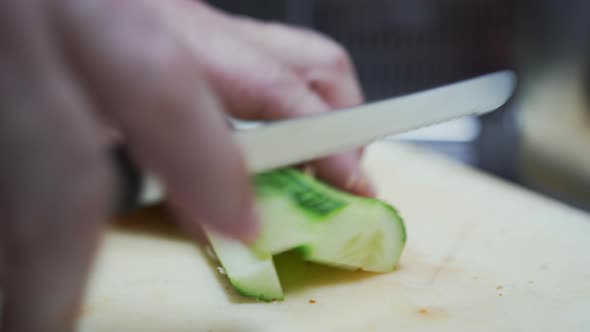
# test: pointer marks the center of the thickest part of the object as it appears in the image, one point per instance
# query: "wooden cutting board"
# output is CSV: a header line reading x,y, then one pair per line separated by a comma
x,y
482,255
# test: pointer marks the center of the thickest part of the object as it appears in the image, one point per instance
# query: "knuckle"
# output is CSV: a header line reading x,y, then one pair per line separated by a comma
x,y
338,59
276,89
278,78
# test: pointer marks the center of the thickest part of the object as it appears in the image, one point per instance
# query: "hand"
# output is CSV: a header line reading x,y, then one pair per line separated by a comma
x,y
268,71
77,75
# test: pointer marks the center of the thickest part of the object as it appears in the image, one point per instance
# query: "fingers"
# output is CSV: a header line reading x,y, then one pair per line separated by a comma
x,y
272,94
281,95
324,66
55,193
327,70
278,93
301,74
172,122
338,86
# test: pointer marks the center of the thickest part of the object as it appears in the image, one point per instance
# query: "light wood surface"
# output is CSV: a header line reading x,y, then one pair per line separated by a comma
x,y
481,255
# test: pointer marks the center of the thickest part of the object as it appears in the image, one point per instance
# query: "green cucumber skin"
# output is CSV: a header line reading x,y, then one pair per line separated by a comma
x,y
404,233
310,204
251,275
265,184
243,290
291,183
307,195
307,250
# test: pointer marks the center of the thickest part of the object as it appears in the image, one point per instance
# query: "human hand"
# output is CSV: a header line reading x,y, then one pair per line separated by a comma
x,y
77,75
269,71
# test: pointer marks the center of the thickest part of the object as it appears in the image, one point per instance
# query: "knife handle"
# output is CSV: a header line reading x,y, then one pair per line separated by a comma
x,y
130,181
135,188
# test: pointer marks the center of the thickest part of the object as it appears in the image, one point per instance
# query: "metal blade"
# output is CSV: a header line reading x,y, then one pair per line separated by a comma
x,y
290,142
294,141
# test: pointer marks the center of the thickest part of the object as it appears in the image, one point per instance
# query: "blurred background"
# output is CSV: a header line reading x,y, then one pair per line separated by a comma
x,y
540,140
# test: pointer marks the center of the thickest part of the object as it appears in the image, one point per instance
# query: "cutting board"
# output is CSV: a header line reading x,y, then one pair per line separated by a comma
x,y
482,255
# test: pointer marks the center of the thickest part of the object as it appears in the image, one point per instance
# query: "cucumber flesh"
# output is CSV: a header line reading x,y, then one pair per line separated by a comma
x,y
329,226
326,225
291,212
374,246
252,274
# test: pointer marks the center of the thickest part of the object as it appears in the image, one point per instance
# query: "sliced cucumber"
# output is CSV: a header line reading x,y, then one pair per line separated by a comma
x,y
251,274
291,210
327,225
373,245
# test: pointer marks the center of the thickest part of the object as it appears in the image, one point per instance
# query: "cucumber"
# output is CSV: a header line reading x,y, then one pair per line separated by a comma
x,y
375,245
291,210
252,274
327,225
324,224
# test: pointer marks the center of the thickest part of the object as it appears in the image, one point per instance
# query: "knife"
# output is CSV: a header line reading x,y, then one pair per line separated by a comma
x,y
288,142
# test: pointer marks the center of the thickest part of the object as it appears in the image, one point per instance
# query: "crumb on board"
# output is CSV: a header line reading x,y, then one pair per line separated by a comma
x,y
499,287
531,282
312,301
500,294
432,313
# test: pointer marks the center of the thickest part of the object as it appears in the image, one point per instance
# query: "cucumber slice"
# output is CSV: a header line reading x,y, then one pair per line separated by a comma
x,y
291,210
326,225
368,235
329,226
252,274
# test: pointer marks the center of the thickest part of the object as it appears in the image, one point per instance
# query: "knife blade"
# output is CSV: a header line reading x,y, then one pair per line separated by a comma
x,y
288,142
